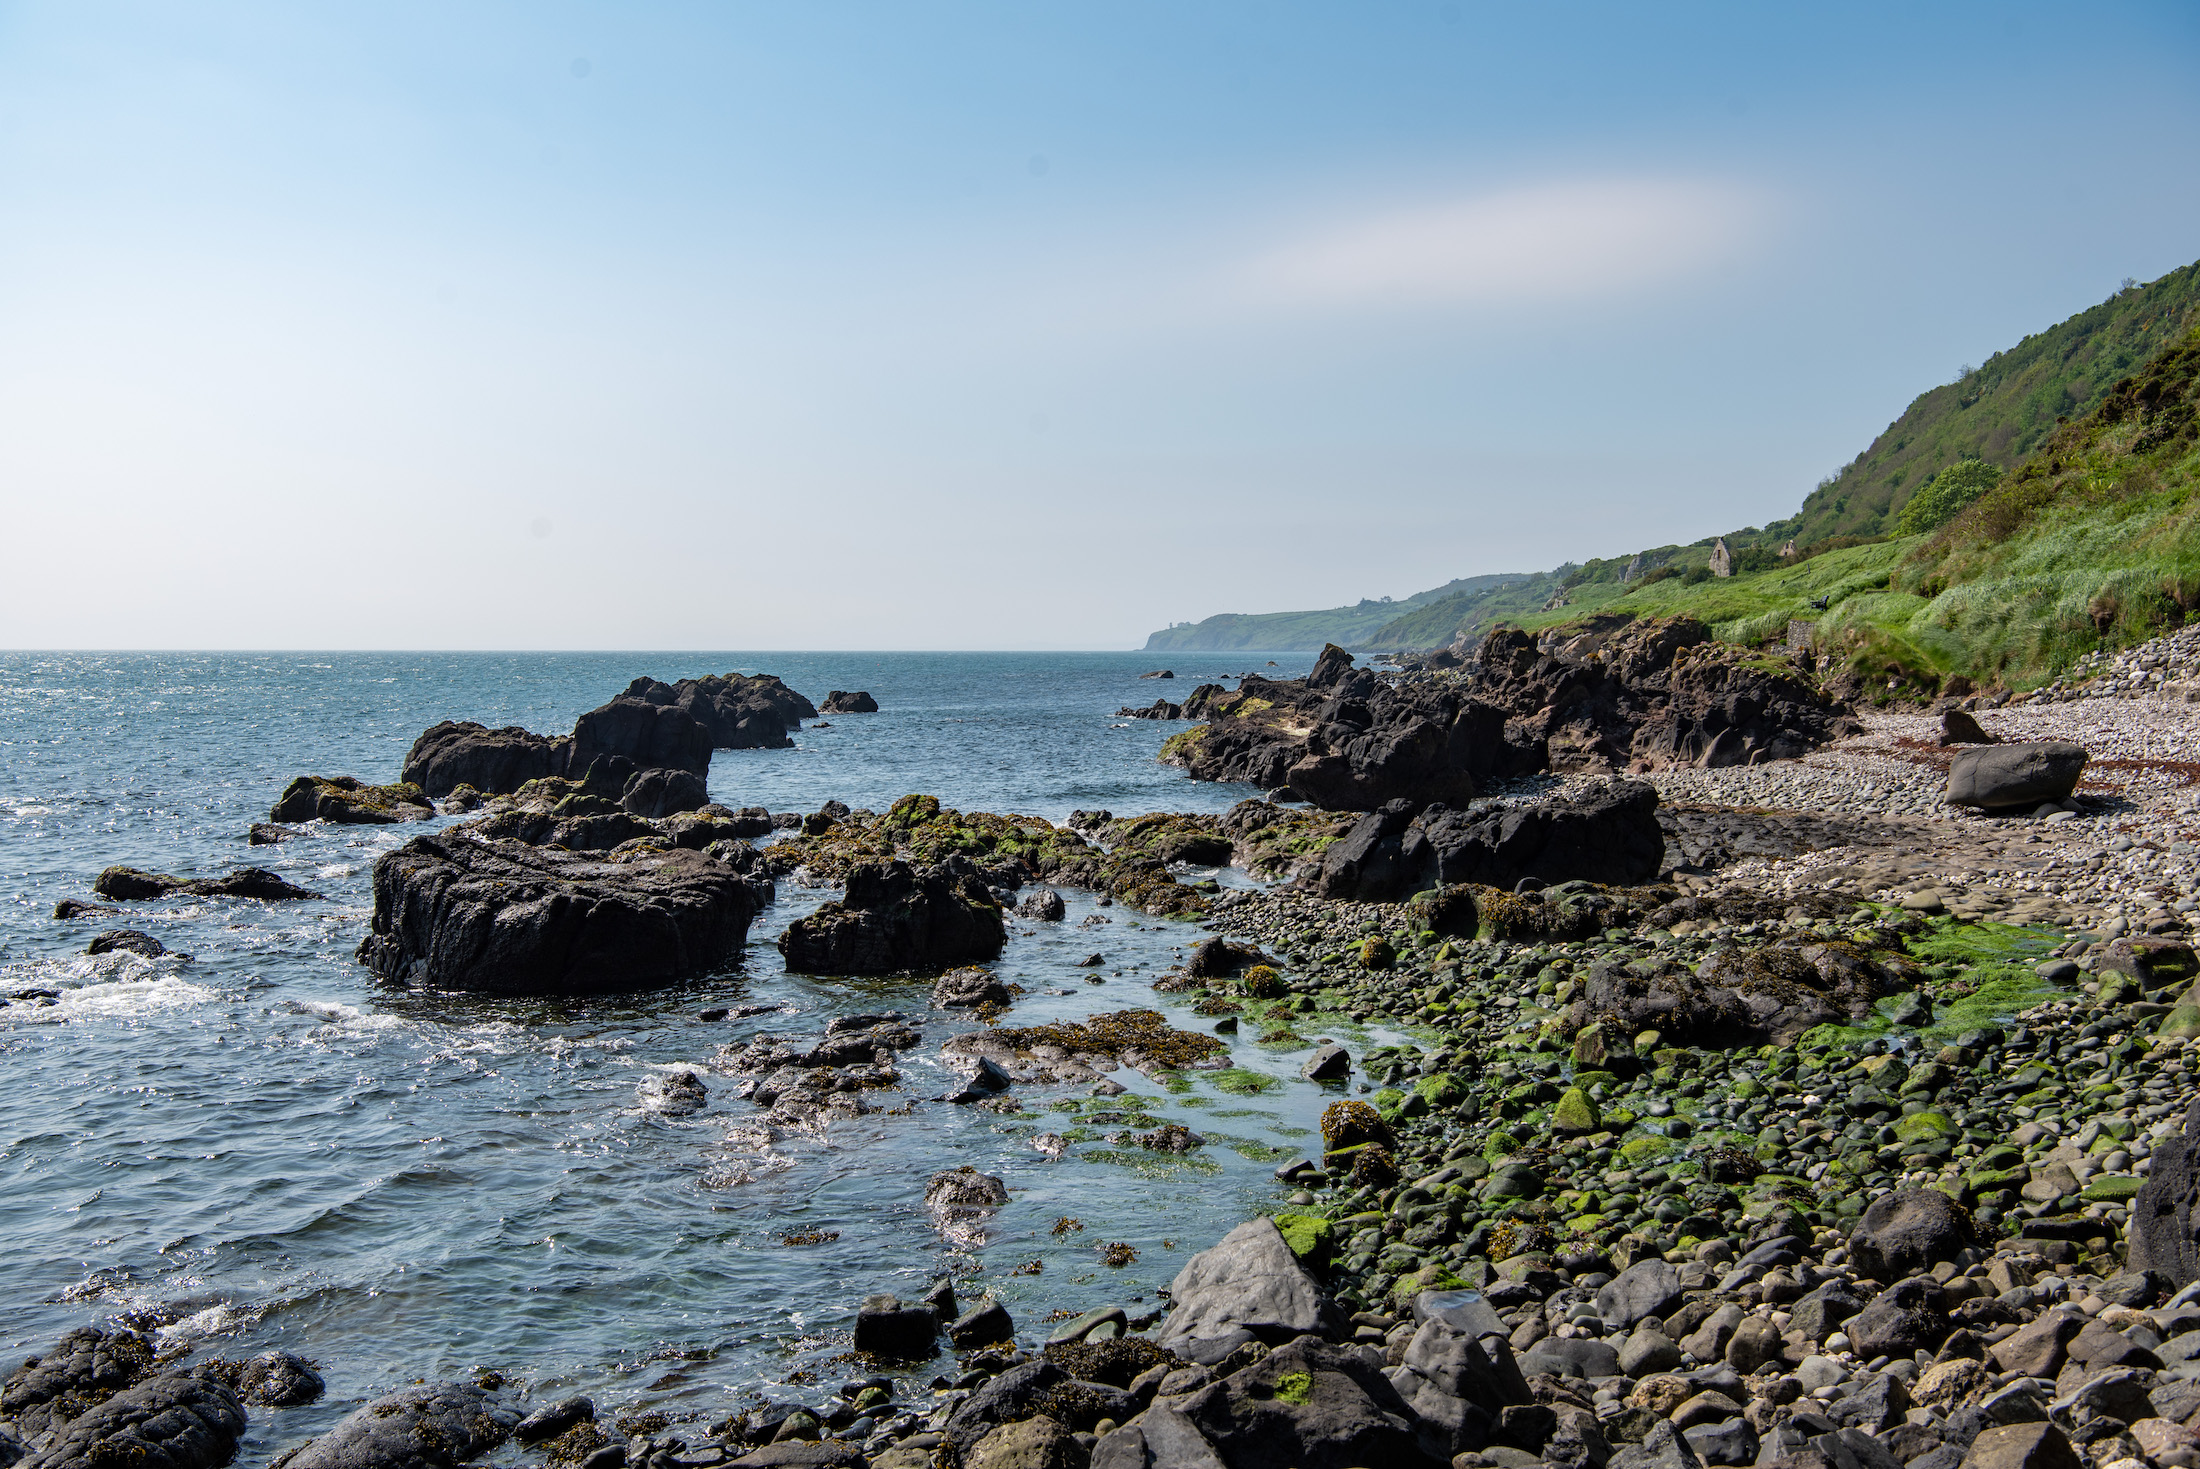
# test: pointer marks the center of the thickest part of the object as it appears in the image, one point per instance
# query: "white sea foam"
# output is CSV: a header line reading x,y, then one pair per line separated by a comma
x,y
129,997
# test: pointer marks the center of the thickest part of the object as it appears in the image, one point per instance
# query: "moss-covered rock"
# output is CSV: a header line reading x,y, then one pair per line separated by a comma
x,y
1575,1115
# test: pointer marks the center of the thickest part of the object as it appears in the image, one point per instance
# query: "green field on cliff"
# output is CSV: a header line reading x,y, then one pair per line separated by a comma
x,y
2088,540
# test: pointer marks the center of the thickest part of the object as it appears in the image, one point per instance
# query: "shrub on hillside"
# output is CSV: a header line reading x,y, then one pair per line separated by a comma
x,y
1942,497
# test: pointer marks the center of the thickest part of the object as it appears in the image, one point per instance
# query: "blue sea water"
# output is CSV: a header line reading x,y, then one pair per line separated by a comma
x,y
275,1150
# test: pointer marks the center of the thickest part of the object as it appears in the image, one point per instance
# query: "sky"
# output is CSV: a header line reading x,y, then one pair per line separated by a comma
x,y
1036,325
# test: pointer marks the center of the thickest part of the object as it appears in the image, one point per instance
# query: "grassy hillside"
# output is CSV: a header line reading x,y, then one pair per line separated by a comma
x,y
1301,631
2003,410
2092,541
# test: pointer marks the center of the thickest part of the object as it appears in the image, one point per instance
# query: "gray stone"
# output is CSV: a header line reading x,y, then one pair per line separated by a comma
x,y
1159,1438
552,1419
1330,1063
1853,1448
1346,1413
2120,1393
1648,1288
887,1328
1663,1447
1248,1282
1877,1404
2009,777
433,1426
984,1324
1648,1350
1908,1231
2022,1446
1731,1442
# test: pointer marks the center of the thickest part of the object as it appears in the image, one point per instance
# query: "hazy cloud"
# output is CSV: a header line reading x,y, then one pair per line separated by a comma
x,y
1548,242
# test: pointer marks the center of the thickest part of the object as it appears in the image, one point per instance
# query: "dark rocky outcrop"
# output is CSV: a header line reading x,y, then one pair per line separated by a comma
x,y
128,884
2015,777
494,761
1307,1403
433,1426
88,1366
736,711
842,702
455,912
1735,996
1612,695
1609,834
2164,1230
659,793
636,727
348,800
179,1421
894,918
275,1379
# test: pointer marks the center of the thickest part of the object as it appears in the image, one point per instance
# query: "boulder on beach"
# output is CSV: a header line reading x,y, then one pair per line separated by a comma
x,y
455,912
1249,1286
128,884
1608,833
2016,777
2163,1234
432,1426
841,702
349,801
896,918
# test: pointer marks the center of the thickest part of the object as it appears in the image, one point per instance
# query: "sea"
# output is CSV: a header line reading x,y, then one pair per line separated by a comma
x,y
263,1147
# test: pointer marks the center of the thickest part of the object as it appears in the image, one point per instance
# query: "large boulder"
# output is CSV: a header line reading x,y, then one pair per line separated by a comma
x,y
2015,777
654,736
1249,1286
1606,834
454,912
1909,1231
432,1426
2163,1232
179,1421
1458,1384
128,884
495,761
655,794
1310,1404
84,1369
1736,996
841,702
348,800
896,918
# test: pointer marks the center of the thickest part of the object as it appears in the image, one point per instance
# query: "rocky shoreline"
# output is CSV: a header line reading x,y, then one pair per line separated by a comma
x,y
1837,1126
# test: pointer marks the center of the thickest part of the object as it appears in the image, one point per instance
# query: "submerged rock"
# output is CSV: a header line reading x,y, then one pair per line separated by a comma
x,y
454,912
128,884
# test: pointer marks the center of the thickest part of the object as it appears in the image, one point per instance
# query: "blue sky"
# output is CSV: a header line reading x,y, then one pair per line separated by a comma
x,y
928,325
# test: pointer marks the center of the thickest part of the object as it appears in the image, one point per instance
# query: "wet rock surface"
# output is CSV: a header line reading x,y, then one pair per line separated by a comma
x,y
128,884
347,800
453,911
433,1426
895,918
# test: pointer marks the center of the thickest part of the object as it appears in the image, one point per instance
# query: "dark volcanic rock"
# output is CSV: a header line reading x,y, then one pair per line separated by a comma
x,y
126,940
894,917
1910,1231
1612,694
1312,1404
2163,1234
278,1380
433,1426
87,1367
736,711
840,702
127,884
1246,1287
1608,834
454,912
180,1421
348,800
1737,996
496,761
2005,777
268,834
660,793
636,727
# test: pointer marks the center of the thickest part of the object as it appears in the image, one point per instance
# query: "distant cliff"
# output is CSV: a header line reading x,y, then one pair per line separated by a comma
x,y
1292,632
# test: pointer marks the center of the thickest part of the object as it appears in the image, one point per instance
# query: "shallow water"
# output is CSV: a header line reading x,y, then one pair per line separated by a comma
x,y
406,1185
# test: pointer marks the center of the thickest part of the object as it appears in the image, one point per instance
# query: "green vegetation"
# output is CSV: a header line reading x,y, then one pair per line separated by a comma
x,y
1283,632
2002,411
2006,524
